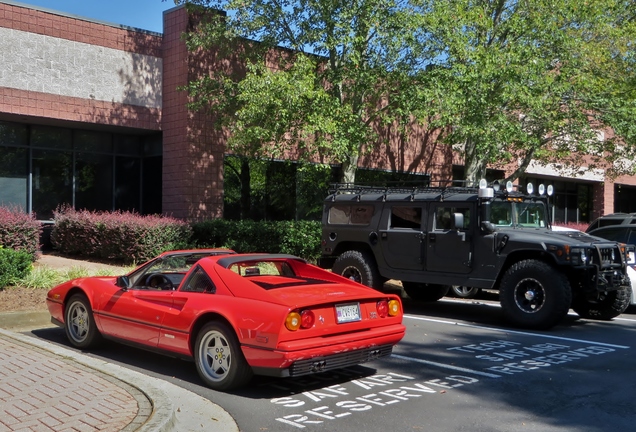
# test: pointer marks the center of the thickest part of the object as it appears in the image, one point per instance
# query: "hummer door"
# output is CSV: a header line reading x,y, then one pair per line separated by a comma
x,y
402,241
449,247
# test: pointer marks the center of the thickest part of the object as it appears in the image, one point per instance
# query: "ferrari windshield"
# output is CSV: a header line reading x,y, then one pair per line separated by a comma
x,y
177,263
527,214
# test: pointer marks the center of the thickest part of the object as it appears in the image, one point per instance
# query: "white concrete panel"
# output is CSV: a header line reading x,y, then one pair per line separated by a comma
x,y
564,171
58,66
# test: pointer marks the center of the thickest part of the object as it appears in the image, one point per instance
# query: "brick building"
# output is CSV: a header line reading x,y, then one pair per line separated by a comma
x,y
91,116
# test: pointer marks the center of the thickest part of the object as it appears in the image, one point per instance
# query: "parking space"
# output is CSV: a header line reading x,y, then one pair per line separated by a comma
x,y
458,368
461,371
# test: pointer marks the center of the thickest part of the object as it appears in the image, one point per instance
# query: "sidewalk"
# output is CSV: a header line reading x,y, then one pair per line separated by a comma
x,y
45,387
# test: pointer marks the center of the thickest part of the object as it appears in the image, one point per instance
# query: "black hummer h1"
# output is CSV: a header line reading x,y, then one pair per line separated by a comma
x,y
488,237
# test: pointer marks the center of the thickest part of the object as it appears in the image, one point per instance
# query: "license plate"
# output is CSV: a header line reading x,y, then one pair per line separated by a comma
x,y
348,313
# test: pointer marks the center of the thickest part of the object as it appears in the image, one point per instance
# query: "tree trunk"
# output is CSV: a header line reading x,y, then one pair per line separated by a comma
x,y
348,169
474,165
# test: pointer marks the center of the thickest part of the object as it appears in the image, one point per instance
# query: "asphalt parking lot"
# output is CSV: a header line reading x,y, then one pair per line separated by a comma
x,y
458,368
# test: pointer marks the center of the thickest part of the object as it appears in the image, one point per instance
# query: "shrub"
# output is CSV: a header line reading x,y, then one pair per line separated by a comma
x,y
19,231
300,238
122,236
14,265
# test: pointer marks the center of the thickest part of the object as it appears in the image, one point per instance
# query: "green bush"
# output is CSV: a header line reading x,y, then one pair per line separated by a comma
x,y
300,238
121,236
14,265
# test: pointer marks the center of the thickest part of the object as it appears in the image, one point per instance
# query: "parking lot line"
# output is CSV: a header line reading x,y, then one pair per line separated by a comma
x,y
445,366
625,319
539,335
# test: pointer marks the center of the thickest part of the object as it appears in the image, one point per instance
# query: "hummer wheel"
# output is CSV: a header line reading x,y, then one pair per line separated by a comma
x,y
605,306
534,295
465,292
360,267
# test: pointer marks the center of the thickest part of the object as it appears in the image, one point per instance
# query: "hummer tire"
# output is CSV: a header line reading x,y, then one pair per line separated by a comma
x,y
534,295
606,305
358,266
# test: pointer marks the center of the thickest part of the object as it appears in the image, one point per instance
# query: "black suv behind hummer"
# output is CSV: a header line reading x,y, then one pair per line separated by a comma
x,y
488,237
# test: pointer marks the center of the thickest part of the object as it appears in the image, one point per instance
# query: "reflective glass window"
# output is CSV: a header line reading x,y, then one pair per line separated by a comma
x,y
90,141
93,181
51,137
52,181
14,176
127,183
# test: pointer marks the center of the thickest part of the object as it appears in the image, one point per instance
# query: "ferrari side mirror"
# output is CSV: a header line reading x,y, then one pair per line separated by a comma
x,y
123,282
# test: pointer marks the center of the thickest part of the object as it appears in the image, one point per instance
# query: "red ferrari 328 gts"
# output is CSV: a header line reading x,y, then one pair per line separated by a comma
x,y
235,315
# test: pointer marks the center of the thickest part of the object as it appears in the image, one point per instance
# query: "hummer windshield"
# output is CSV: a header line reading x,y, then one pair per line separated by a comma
x,y
527,214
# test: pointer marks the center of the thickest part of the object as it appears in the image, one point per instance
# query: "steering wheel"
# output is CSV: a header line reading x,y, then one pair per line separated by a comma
x,y
158,281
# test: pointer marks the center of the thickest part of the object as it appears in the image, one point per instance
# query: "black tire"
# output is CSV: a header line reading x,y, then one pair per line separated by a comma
x,y
219,359
425,292
534,295
465,292
605,306
360,267
79,323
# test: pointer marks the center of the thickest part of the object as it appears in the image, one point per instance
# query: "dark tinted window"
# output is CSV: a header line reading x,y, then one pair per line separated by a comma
x,y
199,282
609,222
406,217
615,234
445,215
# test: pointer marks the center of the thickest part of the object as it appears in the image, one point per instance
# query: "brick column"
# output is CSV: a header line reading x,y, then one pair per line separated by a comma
x,y
602,198
192,149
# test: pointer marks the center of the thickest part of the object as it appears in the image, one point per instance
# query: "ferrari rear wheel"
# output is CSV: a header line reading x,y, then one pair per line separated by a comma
x,y
79,323
219,359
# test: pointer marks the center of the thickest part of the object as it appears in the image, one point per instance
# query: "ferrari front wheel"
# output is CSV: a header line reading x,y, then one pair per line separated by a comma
x,y
219,359
79,323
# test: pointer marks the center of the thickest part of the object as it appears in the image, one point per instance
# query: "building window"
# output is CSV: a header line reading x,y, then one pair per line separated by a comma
x,y
571,202
44,167
52,181
94,181
624,199
14,176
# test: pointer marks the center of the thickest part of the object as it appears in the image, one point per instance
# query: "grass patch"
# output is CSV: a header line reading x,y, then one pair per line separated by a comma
x,y
44,277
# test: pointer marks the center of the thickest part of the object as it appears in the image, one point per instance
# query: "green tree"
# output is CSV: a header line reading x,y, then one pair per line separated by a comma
x,y
318,81
532,80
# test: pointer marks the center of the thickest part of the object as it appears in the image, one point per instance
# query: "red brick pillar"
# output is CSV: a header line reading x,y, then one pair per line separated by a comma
x,y
192,149
602,199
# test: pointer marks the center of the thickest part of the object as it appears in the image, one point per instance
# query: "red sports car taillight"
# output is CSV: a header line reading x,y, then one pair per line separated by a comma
x,y
307,319
304,320
383,308
388,308
394,307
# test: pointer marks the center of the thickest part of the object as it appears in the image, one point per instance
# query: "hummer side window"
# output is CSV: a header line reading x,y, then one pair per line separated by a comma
x,y
444,215
406,217
350,214
501,213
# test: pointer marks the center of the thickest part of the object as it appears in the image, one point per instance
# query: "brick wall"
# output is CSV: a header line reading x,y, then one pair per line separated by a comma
x,y
192,148
66,68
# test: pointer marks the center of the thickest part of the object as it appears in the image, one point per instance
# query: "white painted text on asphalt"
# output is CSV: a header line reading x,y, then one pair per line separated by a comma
x,y
527,358
385,390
